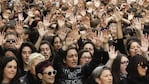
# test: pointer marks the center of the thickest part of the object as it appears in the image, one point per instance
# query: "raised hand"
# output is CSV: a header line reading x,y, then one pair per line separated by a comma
x,y
2,38
96,3
75,32
117,15
112,53
75,2
98,39
30,13
137,24
1,23
140,2
145,43
46,21
61,21
42,29
130,16
20,17
19,27
62,33
86,22
19,42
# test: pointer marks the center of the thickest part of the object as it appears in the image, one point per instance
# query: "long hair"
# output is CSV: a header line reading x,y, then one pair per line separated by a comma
x,y
19,56
51,48
133,64
116,68
3,64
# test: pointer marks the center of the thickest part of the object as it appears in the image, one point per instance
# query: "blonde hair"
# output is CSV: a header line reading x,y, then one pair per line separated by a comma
x,y
35,56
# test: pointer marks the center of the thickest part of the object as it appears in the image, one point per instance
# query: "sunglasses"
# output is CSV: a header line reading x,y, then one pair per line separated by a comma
x,y
124,62
143,65
10,41
51,72
102,29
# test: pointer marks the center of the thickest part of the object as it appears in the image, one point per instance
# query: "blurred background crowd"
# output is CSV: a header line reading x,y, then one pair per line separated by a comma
x,y
74,41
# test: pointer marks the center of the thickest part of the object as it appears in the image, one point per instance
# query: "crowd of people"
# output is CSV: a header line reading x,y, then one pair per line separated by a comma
x,y
74,41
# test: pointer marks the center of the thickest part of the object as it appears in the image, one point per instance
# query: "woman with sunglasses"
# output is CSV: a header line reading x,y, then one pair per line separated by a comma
x,y
45,72
138,70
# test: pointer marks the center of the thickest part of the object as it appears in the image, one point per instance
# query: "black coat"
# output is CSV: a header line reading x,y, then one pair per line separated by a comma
x,y
28,78
77,75
138,80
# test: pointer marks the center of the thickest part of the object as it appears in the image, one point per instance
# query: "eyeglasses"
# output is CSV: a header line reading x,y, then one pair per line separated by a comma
x,y
10,41
143,65
51,72
102,29
124,62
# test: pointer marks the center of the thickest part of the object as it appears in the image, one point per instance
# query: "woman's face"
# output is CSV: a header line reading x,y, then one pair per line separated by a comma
x,y
26,51
105,78
123,65
46,51
71,58
10,70
48,76
57,43
85,58
89,47
135,48
142,69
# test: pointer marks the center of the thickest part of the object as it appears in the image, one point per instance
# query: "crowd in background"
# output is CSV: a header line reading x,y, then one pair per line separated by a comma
x,y
74,41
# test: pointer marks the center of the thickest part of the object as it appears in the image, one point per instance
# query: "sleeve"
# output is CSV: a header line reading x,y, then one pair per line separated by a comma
x,y
58,60
1,52
120,46
88,68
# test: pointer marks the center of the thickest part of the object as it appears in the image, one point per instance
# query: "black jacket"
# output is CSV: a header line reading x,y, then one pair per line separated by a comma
x,y
28,78
77,75
138,80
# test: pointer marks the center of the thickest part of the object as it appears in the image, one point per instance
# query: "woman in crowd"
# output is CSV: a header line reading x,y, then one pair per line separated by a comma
x,y
88,45
46,50
118,69
85,57
138,70
45,72
26,49
136,46
57,43
69,72
103,75
9,71
30,76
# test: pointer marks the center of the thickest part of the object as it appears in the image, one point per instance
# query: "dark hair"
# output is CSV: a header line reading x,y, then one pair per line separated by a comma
x,y
3,64
53,39
69,48
51,48
10,49
19,56
130,41
116,68
42,65
133,64
81,52
129,31
88,42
